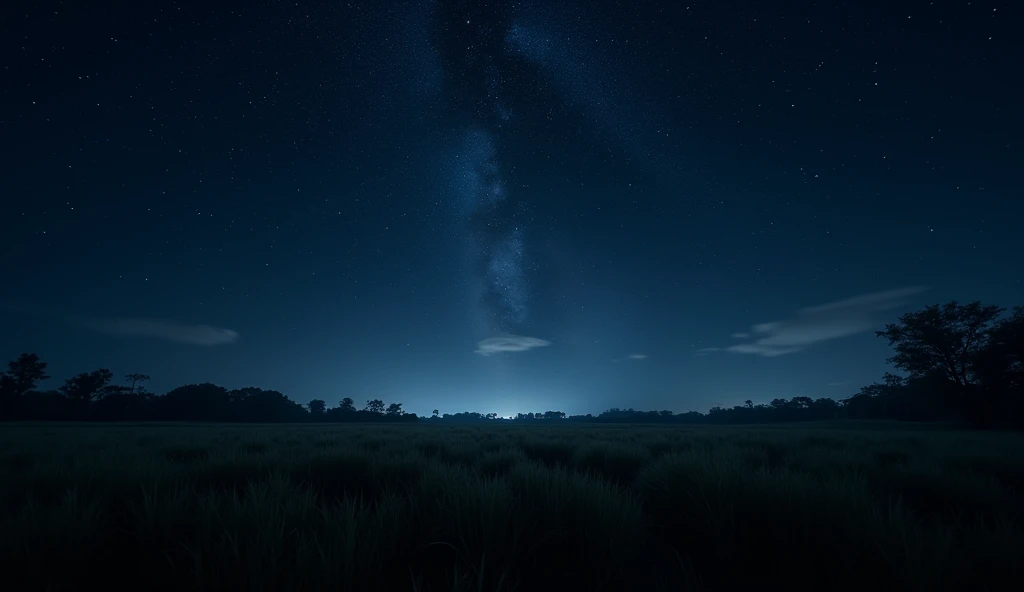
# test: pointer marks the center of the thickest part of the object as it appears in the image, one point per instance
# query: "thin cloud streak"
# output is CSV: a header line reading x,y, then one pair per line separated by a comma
x,y
206,335
631,357
815,324
508,344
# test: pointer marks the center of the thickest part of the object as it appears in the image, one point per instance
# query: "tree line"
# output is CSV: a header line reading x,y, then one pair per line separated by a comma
x,y
962,363
91,396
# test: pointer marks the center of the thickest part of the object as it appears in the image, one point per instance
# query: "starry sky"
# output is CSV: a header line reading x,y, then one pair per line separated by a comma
x,y
502,206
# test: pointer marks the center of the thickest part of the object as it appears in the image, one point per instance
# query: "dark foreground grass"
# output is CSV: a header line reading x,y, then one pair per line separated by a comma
x,y
508,508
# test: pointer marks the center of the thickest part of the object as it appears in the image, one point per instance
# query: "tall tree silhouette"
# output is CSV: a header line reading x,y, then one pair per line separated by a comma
x,y
24,372
395,409
946,341
942,340
20,378
375,406
137,381
347,405
317,407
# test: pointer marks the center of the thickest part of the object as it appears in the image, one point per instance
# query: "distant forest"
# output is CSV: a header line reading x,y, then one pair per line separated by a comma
x,y
961,363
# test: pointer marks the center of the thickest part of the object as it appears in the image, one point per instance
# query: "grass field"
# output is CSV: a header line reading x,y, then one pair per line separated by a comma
x,y
315,507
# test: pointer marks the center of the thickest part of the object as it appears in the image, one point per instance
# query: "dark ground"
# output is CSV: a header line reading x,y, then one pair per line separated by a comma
x,y
261,507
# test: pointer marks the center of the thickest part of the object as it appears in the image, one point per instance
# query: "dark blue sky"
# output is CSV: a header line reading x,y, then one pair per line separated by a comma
x,y
510,207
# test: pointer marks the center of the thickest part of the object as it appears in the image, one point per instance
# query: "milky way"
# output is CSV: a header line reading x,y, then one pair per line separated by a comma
x,y
477,67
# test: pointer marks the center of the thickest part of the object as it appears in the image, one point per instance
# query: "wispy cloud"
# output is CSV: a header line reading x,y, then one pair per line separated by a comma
x,y
163,329
815,324
508,343
192,334
631,357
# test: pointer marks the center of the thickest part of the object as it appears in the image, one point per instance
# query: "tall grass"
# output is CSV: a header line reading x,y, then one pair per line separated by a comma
x,y
508,508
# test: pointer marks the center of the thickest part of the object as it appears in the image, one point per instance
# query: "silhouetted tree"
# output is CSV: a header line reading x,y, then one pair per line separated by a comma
x,y
435,413
375,406
801,402
945,341
259,405
317,407
347,405
20,378
137,380
940,340
24,372
465,416
394,409
87,386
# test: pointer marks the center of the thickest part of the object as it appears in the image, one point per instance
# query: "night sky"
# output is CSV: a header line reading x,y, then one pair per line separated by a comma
x,y
502,206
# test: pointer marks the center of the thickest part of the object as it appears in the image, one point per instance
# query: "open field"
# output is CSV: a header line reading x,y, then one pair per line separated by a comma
x,y
310,507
